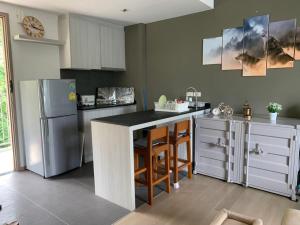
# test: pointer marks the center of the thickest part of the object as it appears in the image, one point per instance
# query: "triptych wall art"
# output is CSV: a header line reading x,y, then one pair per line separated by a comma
x,y
254,47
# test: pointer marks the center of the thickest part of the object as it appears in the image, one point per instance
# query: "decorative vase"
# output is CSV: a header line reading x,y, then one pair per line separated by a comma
x,y
273,116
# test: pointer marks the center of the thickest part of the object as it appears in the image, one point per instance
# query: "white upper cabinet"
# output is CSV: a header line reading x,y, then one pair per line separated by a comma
x,y
94,46
78,43
91,43
112,47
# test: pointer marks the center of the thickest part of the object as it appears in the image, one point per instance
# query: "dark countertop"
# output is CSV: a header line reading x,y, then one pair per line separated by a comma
x,y
136,118
102,106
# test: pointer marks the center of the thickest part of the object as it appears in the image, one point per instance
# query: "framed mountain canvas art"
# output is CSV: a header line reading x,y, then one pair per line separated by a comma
x,y
281,44
212,51
232,48
297,44
254,56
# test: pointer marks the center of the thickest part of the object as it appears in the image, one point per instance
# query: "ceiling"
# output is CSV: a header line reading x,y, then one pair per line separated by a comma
x,y
139,11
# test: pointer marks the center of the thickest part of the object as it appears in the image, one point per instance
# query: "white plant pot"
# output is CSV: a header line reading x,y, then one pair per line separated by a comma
x,y
273,116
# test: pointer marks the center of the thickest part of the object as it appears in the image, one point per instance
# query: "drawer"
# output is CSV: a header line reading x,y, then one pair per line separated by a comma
x,y
268,165
213,124
269,181
212,144
212,152
212,137
272,130
270,153
270,145
211,167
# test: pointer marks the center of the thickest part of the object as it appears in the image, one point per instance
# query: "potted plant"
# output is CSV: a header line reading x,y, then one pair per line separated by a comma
x,y
273,109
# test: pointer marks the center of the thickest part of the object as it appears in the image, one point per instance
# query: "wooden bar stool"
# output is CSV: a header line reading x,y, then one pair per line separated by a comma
x,y
181,135
157,142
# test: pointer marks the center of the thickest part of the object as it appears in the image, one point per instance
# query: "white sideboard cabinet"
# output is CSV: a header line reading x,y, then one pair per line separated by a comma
x,y
254,153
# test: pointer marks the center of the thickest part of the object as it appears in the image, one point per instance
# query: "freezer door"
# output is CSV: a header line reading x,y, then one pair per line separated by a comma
x,y
58,98
61,145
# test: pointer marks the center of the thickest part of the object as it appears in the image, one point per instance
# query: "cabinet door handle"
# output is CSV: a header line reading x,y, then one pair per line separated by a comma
x,y
258,150
220,144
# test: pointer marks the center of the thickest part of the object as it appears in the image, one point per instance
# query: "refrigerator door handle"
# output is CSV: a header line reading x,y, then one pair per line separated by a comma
x,y
42,103
45,143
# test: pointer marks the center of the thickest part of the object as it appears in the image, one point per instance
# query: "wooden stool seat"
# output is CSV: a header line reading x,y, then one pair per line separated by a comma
x,y
157,143
180,135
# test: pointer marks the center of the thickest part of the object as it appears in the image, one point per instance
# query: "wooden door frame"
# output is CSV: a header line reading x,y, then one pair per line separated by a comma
x,y
10,91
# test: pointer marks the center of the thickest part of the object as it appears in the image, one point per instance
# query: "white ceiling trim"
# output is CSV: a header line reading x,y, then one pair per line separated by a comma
x,y
139,11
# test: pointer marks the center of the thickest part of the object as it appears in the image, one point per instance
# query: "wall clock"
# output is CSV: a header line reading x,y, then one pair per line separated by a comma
x,y
33,27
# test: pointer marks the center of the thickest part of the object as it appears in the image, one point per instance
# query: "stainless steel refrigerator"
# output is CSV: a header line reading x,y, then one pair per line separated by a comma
x,y
49,114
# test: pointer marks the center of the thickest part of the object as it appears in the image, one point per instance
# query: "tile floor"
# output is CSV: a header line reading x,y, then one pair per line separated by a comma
x,y
69,199
65,199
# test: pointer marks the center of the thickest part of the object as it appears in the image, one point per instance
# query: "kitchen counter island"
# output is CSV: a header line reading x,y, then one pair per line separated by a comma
x,y
113,149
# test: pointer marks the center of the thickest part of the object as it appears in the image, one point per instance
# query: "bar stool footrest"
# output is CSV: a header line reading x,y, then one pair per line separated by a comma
x,y
157,181
140,171
140,181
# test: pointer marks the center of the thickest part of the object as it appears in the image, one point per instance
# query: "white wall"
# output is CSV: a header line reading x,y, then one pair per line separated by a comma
x,y
29,60
210,3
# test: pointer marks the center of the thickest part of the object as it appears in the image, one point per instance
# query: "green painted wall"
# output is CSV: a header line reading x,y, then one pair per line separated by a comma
x,y
135,75
174,59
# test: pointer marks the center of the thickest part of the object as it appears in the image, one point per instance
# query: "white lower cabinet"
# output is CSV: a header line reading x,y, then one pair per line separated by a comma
x,y
260,154
84,121
271,150
212,137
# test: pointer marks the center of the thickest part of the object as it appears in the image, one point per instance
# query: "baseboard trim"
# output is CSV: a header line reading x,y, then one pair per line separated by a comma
x,y
20,168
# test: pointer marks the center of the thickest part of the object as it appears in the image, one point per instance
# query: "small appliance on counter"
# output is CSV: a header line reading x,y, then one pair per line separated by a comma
x,y
87,100
115,95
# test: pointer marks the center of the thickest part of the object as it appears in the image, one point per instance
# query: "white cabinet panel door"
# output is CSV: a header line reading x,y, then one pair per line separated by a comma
x,y
88,115
112,47
79,43
106,47
270,152
118,48
212,146
93,44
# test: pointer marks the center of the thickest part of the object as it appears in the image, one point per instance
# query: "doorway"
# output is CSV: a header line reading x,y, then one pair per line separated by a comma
x,y
8,157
